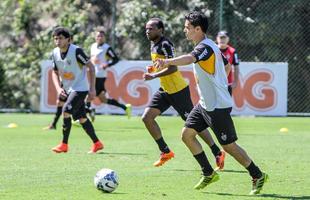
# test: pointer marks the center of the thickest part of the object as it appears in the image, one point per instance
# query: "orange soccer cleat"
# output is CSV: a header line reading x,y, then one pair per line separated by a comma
x,y
220,161
96,147
61,148
164,157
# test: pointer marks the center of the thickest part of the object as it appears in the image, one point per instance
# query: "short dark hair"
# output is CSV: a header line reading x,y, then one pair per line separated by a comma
x,y
100,29
61,31
159,23
197,18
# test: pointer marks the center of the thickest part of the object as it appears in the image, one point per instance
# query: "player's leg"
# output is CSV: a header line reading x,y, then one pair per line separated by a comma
x,y
60,103
79,113
99,86
72,102
224,129
156,107
219,155
102,96
194,124
182,103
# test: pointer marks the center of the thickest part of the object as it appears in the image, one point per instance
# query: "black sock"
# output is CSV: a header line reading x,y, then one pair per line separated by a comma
x,y
88,107
89,129
66,127
254,171
215,150
116,103
163,147
57,115
204,163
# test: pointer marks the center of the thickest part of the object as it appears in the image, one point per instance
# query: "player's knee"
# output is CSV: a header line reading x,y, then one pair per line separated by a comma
x,y
230,147
147,117
144,118
187,134
66,115
82,120
102,97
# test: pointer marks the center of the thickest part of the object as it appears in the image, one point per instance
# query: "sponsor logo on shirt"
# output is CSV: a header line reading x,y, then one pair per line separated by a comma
x,y
82,59
68,76
203,54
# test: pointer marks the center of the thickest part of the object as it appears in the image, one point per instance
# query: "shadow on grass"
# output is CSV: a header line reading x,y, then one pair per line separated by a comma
x,y
226,170
114,193
278,196
120,153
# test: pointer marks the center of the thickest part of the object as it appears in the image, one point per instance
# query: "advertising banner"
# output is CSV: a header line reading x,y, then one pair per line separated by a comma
x,y
261,90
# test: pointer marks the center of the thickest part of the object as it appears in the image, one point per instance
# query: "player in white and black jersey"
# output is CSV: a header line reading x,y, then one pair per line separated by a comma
x,y
59,103
103,57
71,82
214,107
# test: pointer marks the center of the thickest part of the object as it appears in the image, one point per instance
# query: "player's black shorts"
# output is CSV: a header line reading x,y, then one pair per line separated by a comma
x,y
75,105
180,101
218,120
100,85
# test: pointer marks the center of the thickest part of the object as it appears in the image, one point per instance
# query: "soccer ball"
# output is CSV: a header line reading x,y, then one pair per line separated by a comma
x,y
106,180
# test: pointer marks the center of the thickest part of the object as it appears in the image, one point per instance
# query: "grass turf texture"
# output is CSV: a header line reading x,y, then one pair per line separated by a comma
x,y
30,170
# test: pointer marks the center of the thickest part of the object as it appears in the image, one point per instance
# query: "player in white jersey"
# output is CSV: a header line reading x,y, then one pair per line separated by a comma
x,y
59,104
70,67
103,57
214,107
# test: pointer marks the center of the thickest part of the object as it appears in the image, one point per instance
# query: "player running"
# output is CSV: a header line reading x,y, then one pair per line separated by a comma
x,y
103,57
174,91
214,107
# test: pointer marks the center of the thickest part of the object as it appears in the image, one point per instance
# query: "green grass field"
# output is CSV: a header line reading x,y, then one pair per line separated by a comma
x,y
30,170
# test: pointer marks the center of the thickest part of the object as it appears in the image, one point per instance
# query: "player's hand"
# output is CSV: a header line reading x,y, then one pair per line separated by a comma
x,y
91,94
95,60
159,64
148,76
62,93
104,65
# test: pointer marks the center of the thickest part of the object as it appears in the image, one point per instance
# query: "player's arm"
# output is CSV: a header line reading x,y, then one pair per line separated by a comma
x,y
178,61
56,80
113,57
236,70
83,59
201,52
168,51
227,65
55,76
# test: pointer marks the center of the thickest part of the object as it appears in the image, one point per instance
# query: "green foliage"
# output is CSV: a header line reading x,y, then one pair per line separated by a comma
x,y
130,27
29,43
260,30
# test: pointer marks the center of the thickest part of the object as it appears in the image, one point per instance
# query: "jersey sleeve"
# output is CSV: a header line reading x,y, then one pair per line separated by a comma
x,y
81,57
224,59
112,55
202,52
235,59
168,49
53,62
